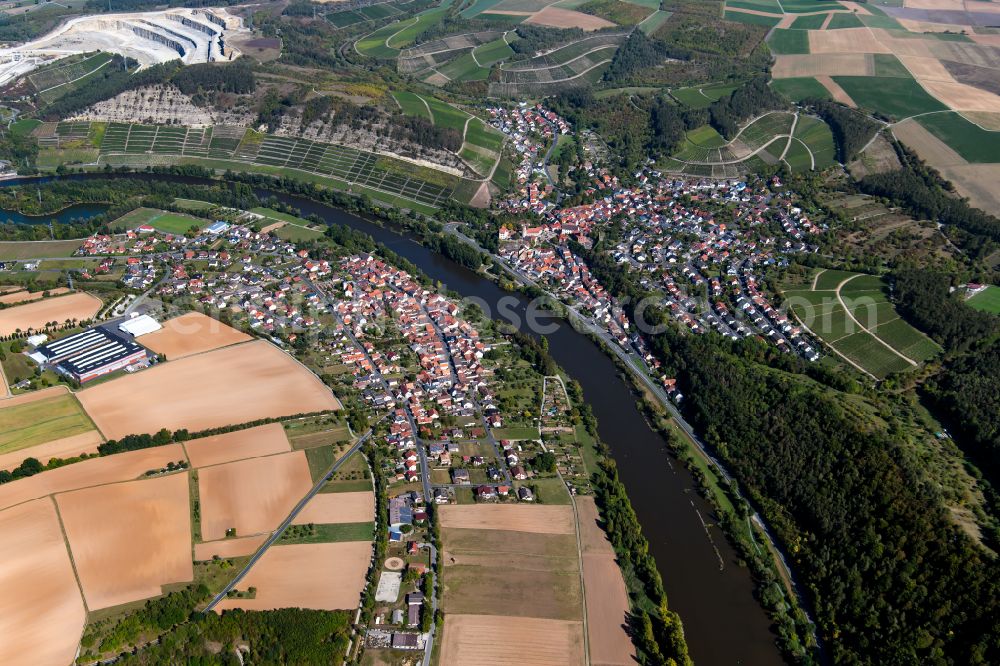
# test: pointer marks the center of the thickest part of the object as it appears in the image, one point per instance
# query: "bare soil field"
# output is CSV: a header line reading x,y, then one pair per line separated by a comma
x,y
982,6
988,121
986,40
930,148
42,394
985,78
233,385
37,314
41,609
838,93
65,447
473,639
263,440
111,469
539,573
272,227
191,333
320,576
252,495
838,64
930,69
961,97
607,597
847,40
26,296
976,181
516,517
947,5
338,508
228,547
147,545
556,17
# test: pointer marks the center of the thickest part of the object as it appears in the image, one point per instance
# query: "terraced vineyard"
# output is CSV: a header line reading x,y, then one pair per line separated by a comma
x,y
768,140
225,147
57,80
430,55
566,67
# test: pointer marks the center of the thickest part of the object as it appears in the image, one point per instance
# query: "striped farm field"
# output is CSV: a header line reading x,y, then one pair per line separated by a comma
x,y
852,314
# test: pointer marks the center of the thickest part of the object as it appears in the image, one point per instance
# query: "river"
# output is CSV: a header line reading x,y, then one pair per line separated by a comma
x,y
66,215
705,584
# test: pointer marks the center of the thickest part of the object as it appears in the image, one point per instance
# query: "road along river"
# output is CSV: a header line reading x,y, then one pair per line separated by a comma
x,y
705,584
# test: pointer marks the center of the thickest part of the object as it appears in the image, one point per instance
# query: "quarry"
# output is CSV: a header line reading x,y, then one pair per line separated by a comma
x,y
191,35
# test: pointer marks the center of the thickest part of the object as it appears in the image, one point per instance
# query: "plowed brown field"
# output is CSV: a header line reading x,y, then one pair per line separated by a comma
x,y
338,508
41,610
321,576
227,386
66,447
252,495
191,333
129,539
37,314
264,440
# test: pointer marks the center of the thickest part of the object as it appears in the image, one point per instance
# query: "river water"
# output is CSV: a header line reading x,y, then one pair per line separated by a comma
x,y
64,216
705,584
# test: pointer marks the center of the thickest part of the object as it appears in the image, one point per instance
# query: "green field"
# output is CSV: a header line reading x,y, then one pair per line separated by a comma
x,y
328,533
809,6
374,45
753,19
446,115
887,64
987,300
654,21
798,89
894,97
411,104
701,97
41,421
516,433
871,334
37,249
24,127
844,21
492,52
171,223
816,135
967,139
788,41
810,22
706,136
771,6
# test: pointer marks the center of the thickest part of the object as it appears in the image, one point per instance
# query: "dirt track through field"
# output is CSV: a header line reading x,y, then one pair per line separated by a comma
x,y
263,440
473,639
236,384
252,495
37,314
145,546
338,508
41,609
228,547
111,469
606,595
549,519
321,576
191,333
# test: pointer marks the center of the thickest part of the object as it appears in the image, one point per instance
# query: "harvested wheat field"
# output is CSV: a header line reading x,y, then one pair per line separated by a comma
x,y
606,595
988,121
541,519
191,333
930,148
228,547
252,495
539,573
838,93
949,5
320,576
332,508
26,296
927,26
112,469
556,17
41,610
145,546
474,639
34,396
986,40
837,64
65,447
929,69
961,97
847,40
857,8
37,314
263,440
227,386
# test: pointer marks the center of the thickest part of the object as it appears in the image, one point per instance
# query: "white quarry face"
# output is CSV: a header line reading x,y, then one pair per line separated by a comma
x,y
191,35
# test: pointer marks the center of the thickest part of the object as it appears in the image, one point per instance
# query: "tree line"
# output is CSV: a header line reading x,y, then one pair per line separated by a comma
x,y
851,129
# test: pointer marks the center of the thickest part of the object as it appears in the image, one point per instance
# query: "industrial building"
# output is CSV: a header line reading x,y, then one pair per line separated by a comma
x,y
90,354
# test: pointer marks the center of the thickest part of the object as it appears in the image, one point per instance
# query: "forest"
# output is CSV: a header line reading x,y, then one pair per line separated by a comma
x,y
236,77
116,78
891,578
852,130
924,299
750,100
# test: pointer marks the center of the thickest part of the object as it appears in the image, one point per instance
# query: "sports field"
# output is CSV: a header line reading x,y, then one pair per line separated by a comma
x,y
851,313
987,300
171,223
26,425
